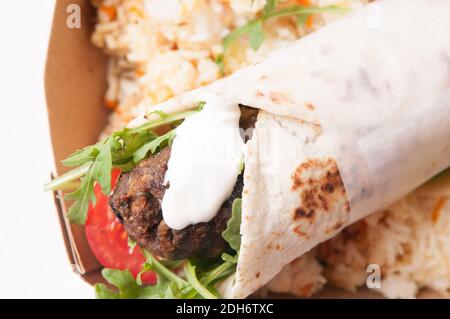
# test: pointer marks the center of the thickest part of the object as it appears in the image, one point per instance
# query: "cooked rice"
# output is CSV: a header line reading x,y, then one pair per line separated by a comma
x,y
161,48
410,241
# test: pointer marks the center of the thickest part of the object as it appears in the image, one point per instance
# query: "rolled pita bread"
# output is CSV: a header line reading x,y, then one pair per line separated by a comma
x,y
352,118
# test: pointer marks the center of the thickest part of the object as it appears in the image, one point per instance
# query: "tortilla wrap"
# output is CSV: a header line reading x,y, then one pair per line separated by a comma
x,y
352,118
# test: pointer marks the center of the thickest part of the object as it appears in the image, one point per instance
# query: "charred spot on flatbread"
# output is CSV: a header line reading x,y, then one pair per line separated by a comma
x,y
310,106
299,232
321,191
280,98
320,185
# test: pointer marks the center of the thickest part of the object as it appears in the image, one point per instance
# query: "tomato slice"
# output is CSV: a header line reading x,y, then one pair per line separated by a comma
x,y
108,239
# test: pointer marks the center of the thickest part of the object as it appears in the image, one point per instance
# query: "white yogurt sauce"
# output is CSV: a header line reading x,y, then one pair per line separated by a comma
x,y
204,164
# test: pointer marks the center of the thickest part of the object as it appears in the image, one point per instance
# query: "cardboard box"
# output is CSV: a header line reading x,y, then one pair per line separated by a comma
x,y
75,82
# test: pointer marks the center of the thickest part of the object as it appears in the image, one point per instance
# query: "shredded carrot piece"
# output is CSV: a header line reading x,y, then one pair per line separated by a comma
x,y
109,11
306,290
111,104
436,213
310,20
139,72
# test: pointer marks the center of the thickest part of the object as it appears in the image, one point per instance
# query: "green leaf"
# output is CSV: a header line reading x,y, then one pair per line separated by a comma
x,y
241,165
82,156
146,267
236,34
256,35
218,272
160,113
158,143
221,63
127,143
229,258
82,196
193,280
162,121
103,292
123,280
169,284
270,6
254,28
173,292
100,170
301,20
232,233
160,269
200,106
122,149
102,166
66,180
127,287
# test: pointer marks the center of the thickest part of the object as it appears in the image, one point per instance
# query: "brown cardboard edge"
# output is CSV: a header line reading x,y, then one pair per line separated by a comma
x,y
74,87
91,277
62,224
69,242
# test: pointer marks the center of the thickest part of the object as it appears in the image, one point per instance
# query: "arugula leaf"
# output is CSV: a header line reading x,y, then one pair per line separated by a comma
x,y
159,142
128,288
219,271
254,28
200,105
229,258
82,156
301,20
196,279
82,196
270,6
173,292
127,144
256,35
232,233
160,113
196,284
100,171
102,166
221,63
154,264
170,284
236,34
122,149
241,165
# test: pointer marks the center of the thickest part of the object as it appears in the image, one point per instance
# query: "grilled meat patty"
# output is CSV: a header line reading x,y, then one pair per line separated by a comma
x,y
136,202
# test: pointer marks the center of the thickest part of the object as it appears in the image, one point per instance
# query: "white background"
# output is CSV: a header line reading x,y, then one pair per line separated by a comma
x,y
33,261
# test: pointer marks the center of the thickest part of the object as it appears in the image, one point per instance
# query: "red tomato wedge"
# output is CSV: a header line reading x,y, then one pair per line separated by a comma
x,y
108,239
